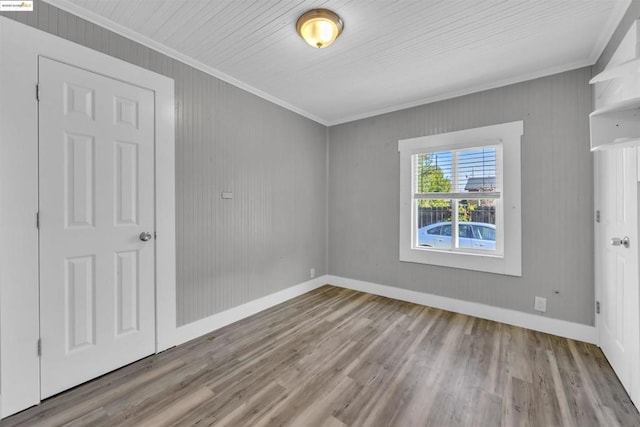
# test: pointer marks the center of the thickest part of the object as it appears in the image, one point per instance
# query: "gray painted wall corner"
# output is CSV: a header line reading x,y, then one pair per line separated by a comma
x,y
273,231
305,196
557,190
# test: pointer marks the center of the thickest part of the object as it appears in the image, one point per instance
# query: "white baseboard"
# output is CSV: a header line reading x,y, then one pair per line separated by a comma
x,y
209,324
534,322
548,325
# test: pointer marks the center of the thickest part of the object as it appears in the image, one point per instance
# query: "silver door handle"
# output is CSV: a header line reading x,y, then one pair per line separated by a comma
x,y
616,241
145,236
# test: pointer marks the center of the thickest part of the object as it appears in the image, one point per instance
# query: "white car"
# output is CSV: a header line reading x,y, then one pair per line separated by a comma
x,y
471,235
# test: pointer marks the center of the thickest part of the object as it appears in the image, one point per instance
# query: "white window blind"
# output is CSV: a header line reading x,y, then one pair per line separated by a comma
x,y
458,174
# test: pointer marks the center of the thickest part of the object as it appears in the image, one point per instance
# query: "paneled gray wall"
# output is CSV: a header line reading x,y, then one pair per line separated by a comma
x,y
631,15
557,202
274,161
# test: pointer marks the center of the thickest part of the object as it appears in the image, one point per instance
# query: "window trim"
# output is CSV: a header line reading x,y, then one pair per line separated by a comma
x,y
508,135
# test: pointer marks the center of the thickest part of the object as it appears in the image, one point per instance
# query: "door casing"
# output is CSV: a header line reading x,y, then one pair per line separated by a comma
x,y
20,46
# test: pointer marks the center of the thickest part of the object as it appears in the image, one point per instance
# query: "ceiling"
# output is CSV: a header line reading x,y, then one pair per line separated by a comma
x,y
391,55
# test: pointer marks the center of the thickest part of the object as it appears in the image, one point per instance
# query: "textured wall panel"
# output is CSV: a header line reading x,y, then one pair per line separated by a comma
x,y
272,232
557,197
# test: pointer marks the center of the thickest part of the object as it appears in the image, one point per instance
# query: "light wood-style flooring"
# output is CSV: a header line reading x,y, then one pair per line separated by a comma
x,y
335,357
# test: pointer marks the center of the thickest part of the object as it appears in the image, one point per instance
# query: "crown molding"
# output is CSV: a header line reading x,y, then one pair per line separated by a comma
x,y
467,91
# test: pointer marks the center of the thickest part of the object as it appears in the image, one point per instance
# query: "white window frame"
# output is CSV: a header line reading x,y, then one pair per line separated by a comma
x,y
507,259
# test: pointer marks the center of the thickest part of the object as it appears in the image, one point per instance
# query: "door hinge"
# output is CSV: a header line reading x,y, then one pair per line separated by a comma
x,y
39,347
597,216
38,220
155,235
597,307
37,92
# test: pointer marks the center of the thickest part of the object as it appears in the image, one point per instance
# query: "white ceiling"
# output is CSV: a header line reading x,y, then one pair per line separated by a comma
x,y
391,55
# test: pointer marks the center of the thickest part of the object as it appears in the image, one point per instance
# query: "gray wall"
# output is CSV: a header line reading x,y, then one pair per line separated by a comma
x,y
274,161
631,15
278,224
557,202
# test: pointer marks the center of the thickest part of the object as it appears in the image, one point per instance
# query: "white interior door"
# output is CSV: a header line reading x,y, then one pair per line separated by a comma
x,y
96,196
617,261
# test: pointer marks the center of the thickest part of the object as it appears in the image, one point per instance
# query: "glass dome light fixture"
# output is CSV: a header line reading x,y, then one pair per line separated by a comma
x,y
319,27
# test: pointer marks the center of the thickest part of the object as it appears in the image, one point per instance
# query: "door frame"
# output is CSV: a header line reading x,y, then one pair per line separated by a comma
x,y
20,47
599,240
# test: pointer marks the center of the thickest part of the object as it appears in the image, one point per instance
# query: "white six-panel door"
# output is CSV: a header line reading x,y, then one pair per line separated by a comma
x,y
96,154
619,323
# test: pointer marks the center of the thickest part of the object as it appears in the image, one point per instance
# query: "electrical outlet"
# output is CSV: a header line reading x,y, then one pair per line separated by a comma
x,y
540,304
312,273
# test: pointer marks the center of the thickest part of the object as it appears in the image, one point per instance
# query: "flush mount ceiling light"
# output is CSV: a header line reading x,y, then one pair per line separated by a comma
x,y
319,27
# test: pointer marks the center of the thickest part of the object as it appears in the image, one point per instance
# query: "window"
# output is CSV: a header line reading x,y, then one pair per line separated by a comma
x,y
465,181
460,199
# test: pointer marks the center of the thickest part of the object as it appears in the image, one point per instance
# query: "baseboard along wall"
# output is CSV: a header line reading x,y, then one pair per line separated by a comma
x,y
562,328
216,321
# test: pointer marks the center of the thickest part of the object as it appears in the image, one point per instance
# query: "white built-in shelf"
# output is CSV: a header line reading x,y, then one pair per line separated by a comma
x,y
616,125
616,121
618,107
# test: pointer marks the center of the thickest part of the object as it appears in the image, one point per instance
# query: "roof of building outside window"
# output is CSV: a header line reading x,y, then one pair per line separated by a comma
x,y
483,183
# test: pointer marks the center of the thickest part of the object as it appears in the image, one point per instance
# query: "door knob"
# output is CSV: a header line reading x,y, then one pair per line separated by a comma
x,y
616,241
145,236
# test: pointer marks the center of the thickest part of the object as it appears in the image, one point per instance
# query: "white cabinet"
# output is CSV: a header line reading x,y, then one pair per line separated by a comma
x,y
616,120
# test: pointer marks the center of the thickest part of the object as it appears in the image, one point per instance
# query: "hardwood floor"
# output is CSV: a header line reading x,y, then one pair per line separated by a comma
x,y
335,357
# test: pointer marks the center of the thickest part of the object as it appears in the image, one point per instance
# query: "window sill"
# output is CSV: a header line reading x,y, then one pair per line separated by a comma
x,y
477,252
489,263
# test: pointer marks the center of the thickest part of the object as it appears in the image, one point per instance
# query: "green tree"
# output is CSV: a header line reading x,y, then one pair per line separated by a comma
x,y
431,179
465,210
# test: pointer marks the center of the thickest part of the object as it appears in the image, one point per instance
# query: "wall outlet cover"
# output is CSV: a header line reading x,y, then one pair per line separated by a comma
x,y
540,304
